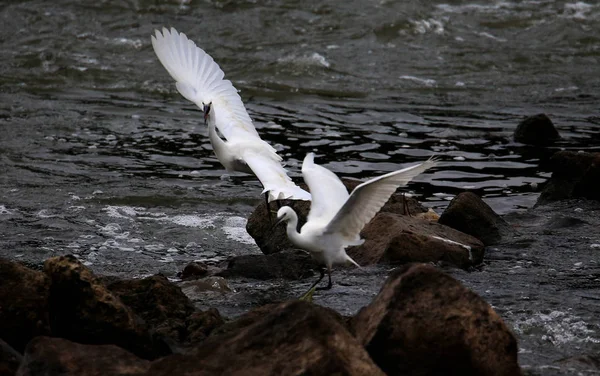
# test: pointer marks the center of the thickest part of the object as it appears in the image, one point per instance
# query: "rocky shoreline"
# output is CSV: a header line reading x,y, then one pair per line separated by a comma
x,y
65,320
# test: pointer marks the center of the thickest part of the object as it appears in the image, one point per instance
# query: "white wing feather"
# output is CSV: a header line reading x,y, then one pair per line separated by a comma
x,y
327,190
274,177
368,198
200,80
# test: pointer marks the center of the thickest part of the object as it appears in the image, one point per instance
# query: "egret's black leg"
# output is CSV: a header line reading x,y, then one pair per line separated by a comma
x,y
268,207
308,295
329,285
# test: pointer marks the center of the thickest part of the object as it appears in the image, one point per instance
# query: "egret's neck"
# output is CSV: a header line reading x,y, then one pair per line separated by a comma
x,y
292,230
217,143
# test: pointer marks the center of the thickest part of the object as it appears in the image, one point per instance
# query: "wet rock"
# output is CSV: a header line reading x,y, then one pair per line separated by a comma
x,y
162,304
57,356
292,264
574,175
23,304
396,238
82,309
198,286
9,359
293,338
201,324
536,130
424,322
194,270
468,213
273,240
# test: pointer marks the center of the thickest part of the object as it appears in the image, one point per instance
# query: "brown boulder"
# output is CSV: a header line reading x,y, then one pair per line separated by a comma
x,y
9,359
194,270
536,130
272,240
468,213
292,338
23,304
201,324
57,356
574,175
400,239
82,309
424,322
159,302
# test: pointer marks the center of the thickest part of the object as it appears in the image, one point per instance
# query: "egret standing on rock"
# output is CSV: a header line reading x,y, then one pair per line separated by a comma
x,y
336,217
200,80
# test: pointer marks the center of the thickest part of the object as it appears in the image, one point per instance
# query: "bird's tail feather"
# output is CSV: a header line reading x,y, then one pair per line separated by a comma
x,y
291,192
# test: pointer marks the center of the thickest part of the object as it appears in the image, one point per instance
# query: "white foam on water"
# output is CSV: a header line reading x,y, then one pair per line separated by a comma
x,y
560,328
45,213
579,10
428,25
5,211
235,229
424,81
314,59
191,220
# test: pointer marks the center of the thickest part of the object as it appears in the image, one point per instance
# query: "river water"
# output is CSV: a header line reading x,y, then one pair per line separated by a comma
x,y
102,158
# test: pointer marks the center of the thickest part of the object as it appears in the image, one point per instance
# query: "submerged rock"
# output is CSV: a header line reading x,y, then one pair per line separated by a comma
x,y
292,264
272,240
194,270
292,338
536,130
9,359
396,238
468,213
424,322
46,356
23,304
574,175
82,309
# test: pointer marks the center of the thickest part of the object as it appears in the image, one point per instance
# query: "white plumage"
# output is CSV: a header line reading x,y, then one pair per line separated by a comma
x,y
200,80
336,218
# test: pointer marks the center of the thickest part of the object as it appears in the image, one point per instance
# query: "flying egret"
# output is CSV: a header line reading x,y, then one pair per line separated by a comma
x,y
200,80
336,217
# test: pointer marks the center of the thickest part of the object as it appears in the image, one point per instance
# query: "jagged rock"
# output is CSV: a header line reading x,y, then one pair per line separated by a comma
x,y
293,338
574,175
272,240
47,356
201,324
23,304
424,322
292,264
162,304
536,130
9,359
468,213
194,270
82,309
400,239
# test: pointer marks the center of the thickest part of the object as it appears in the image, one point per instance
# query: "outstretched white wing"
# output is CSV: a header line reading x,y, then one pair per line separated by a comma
x,y
368,198
328,192
274,177
200,80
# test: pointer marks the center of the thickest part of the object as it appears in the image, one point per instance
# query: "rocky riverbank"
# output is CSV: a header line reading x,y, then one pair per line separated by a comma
x,y
423,317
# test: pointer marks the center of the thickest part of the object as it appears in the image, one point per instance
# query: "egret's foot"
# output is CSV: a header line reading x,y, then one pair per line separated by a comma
x,y
308,296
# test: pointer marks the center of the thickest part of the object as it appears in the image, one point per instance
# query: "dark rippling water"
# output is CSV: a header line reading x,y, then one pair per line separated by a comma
x,y
102,158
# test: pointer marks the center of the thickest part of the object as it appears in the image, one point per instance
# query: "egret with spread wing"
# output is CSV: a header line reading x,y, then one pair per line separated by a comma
x,y
336,217
200,80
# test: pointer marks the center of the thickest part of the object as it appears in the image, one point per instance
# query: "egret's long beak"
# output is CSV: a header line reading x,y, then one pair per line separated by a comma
x,y
277,221
205,117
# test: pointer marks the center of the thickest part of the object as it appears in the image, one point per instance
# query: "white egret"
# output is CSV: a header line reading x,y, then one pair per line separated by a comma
x,y
336,218
200,80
